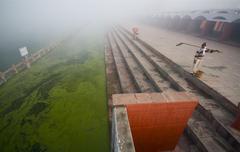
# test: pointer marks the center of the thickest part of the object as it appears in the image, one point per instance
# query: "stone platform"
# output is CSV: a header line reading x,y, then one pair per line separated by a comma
x,y
221,70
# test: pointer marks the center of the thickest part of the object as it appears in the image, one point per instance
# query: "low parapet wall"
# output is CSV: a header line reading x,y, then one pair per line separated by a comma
x,y
25,63
121,133
150,121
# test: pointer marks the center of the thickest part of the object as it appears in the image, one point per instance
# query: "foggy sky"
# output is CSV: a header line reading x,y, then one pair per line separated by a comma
x,y
29,16
185,5
52,13
33,23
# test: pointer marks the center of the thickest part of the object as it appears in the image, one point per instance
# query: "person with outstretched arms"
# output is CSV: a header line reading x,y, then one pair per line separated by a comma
x,y
200,53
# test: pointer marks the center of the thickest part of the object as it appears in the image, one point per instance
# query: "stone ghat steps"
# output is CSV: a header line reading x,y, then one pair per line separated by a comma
x,y
123,74
204,125
218,111
186,144
211,115
158,80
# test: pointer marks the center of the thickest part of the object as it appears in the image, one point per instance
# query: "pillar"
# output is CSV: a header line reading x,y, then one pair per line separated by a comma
x,y
26,60
14,68
191,26
205,27
227,31
39,55
185,24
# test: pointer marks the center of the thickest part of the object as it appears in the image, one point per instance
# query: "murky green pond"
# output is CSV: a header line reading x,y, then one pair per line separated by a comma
x,y
60,103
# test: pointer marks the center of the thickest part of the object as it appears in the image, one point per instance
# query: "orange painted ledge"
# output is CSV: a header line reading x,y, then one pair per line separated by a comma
x,y
157,120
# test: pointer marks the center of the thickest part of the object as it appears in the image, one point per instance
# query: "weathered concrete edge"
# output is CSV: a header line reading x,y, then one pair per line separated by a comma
x,y
198,83
122,140
153,98
115,64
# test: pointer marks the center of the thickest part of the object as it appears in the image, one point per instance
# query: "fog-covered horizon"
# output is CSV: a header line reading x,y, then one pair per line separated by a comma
x,y
32,15
28,21
33,23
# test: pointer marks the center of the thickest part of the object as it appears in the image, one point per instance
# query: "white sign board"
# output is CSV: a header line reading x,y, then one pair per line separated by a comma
x,y
23,51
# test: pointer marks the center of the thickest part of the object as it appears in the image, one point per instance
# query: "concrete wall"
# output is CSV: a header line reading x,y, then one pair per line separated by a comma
x,y
121,133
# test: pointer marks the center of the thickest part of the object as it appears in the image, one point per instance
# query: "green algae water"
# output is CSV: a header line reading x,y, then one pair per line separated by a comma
x,y
60,104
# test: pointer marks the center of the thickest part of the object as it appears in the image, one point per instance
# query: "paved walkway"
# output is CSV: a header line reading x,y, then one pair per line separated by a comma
x,y
222,70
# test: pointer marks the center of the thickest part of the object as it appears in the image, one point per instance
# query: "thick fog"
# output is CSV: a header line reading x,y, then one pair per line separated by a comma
x,y
37,15
29,21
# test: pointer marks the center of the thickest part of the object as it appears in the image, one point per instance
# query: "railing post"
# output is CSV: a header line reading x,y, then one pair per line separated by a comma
x,y
14,68
2,76
27,62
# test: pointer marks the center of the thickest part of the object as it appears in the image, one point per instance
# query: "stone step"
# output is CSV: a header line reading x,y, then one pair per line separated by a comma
x,y
157,80
218,114
221,120
206,138
140,80
126,83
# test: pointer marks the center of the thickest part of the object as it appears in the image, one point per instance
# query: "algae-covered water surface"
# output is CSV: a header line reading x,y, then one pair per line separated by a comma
x,y
60,103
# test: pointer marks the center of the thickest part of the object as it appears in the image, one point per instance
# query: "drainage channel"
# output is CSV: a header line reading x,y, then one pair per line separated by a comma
x,y
209,126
